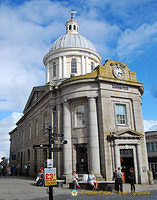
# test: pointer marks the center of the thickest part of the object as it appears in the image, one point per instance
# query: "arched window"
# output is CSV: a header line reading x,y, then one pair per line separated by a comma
x,y
69,27
73,66
92,66
54,69
74,27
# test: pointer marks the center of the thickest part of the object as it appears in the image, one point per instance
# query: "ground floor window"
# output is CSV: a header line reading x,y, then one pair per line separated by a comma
x,y
79,116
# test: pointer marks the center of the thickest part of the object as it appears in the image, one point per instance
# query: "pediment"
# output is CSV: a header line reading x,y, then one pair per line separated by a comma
x,y
128,134
36,94
125,134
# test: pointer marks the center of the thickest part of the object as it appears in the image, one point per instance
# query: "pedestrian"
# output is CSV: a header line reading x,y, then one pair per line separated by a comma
x,y
131,179
75,180
25,167
4,170
153,171
114,178
40,180
92,180
12,170
16,171
20,171
118,180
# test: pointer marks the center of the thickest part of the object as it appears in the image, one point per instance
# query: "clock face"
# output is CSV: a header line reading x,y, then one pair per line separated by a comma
x,y
118,72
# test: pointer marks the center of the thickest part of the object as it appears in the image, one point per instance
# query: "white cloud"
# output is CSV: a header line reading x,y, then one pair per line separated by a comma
x,y
150,125
103,35
132,42
6,125
26,34
25,38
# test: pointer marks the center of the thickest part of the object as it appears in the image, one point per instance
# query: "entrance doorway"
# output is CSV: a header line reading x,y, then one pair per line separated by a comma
x,y
81,159
126,158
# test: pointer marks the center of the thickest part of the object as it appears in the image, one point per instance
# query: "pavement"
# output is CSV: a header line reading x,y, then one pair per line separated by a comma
x,y
22,188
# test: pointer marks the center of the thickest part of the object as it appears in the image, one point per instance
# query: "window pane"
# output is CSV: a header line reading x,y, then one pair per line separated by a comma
x,y
73,66
152,147
120,114
54,69
92,66
156,145
79,116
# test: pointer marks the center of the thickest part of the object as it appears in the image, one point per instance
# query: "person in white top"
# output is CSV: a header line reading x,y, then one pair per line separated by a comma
x,y
75,180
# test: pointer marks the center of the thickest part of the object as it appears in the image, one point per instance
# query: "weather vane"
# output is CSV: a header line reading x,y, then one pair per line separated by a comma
x,y
72,13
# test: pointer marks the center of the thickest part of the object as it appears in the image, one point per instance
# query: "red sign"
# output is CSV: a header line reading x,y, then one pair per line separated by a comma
x,y
50,176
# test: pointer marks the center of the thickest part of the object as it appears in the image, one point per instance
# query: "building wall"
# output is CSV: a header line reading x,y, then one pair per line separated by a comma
x,y
99,98
151,142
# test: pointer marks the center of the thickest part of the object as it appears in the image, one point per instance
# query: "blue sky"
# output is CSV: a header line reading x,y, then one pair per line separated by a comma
x,y
121,30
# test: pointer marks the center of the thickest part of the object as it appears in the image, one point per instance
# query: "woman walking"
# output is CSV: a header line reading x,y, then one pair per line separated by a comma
x,y
131,179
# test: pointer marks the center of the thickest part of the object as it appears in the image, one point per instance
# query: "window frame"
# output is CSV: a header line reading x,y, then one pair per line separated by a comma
x,y
120,116
73,66
92,66
82,116
54,69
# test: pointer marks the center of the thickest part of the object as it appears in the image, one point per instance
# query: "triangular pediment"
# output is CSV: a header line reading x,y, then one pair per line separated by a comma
x,y
128,134
125,134
36,94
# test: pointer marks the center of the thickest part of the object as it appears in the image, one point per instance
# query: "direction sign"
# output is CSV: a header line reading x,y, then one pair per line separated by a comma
x,y
57,135
36,146
50,176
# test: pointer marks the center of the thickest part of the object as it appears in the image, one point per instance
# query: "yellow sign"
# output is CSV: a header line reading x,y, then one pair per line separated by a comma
x,y
50,176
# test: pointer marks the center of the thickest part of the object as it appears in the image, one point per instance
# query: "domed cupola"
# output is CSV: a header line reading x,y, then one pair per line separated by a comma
x,y
70,55
71,26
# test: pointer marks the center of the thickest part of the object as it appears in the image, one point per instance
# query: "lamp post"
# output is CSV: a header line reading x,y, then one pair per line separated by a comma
x,y
50,157
51,141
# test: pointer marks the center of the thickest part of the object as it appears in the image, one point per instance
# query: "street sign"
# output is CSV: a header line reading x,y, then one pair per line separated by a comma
x,y
50,176
49,163
59,141
36,146
57,135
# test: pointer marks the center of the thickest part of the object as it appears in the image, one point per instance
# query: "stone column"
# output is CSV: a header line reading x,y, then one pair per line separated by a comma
x,y
82,65
60,67
47,73
94,157
117,156
59,131
67,148
86,64
139,163
64,66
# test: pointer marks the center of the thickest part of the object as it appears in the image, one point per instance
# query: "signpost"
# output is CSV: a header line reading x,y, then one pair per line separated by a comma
x,y
50,172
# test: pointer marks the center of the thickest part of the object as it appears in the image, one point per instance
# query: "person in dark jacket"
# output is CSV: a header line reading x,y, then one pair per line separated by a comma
x,y
131,179
114,178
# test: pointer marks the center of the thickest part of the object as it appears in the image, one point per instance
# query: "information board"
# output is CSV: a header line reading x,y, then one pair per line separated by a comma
x,y
50,176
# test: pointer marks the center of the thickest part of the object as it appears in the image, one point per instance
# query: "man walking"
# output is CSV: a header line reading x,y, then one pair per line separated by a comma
x,y
118,180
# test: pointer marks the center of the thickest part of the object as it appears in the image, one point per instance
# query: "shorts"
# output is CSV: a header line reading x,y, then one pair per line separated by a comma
x,y
92,182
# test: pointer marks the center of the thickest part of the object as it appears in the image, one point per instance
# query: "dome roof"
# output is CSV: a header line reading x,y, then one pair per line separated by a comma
x,y
72,40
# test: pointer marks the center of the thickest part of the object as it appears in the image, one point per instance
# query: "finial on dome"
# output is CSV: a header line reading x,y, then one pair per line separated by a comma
x,y
72,25
72,13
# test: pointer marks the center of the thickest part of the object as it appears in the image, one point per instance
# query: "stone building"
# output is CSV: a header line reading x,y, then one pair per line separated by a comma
x,y
151,142
97,108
